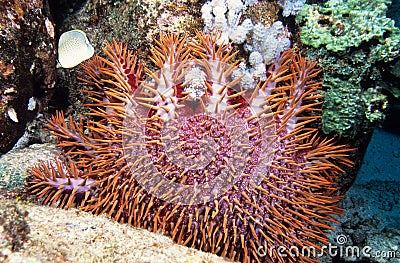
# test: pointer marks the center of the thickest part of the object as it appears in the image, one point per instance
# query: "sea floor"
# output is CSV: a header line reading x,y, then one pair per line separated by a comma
x,y
372,207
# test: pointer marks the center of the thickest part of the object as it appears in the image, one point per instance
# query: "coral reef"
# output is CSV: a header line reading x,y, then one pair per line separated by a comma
x,y
343,24
350,38
375,103
190,153
27,65
269,42
264,43
225,16
343,120
356,93
347,121
264,12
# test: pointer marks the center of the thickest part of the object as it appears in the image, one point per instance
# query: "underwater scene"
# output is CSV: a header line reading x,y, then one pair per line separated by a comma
x,y
263,131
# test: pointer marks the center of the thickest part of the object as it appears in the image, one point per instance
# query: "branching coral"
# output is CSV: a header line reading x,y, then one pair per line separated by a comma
x,y
190,153
261,41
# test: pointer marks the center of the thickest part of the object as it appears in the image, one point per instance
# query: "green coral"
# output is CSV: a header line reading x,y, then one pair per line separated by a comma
x,y
341,24
388,50
350,39
348,109
395,88
341,110
375,105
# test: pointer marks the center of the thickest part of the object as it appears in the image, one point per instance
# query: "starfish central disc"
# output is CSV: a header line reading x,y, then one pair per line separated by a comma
x,y
191,139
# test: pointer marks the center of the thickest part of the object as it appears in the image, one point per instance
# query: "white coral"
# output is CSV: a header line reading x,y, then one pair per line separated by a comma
x,y
194,80
270,42
255,58
247,81
224,16
239,34
264,44
291,7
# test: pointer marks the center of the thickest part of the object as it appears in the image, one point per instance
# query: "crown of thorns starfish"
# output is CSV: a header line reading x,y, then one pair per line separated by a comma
x,y
189,152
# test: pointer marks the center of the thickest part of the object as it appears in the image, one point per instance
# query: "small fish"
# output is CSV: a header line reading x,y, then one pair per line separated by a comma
x,y
73,48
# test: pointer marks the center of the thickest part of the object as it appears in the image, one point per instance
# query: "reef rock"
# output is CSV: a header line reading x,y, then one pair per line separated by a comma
x,y
27,65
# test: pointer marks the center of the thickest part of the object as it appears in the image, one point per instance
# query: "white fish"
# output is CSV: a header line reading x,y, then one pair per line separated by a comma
x,y
73,48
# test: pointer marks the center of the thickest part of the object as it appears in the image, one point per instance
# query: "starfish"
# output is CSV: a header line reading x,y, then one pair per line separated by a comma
x,y
187,151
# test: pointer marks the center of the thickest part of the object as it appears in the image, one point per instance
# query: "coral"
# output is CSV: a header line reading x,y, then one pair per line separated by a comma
x,y
265,46
342,113
190,153
387,51
347,81
343,24
371,42
270,42
213,15
265,12
376,105
291,7
259,40
348,109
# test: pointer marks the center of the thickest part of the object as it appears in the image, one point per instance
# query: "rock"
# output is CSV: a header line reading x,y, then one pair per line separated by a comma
x,y
15,164
14,229
27,65
74,236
